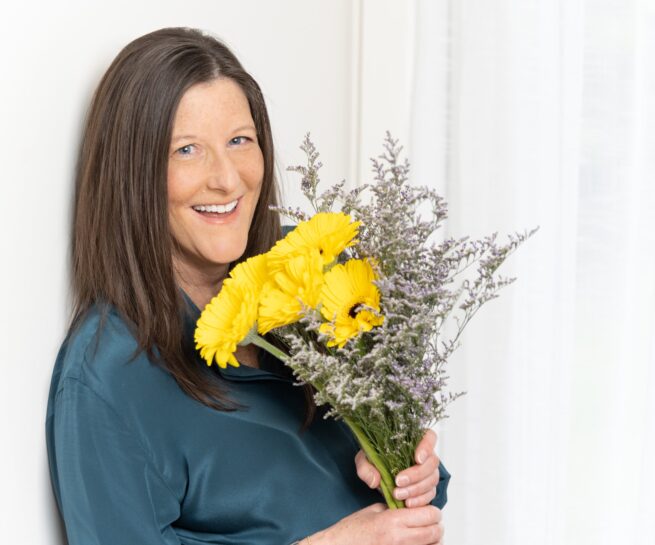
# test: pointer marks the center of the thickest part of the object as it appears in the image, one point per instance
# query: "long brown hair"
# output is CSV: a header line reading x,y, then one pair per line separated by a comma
x,y
121,243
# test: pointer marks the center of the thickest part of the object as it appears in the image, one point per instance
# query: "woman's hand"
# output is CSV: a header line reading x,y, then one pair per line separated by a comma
x,y
377,525
416,485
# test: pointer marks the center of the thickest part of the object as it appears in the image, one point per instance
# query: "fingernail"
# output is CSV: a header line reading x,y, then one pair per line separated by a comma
x,y
401,493
402,480
372,481
421,457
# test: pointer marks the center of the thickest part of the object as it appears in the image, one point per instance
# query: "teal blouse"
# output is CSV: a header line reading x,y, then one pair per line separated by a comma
x,y
136,461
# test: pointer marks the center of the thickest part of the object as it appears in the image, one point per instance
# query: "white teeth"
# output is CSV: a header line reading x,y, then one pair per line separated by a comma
x,y
216,208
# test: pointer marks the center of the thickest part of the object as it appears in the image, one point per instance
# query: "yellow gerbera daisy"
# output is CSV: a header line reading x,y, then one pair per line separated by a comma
x,y
252,272
231,315
298,284
328,232
347,292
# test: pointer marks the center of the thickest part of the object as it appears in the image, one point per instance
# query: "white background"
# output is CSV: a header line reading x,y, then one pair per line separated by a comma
x,y
304,56
519,112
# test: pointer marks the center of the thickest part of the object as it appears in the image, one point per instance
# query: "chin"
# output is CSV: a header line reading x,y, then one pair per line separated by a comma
x,y
227,255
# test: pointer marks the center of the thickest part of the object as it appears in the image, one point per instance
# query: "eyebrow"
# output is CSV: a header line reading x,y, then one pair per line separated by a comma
x,y
193,136
189,136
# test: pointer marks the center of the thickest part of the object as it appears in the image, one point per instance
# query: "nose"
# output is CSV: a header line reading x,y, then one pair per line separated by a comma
x,y
222,173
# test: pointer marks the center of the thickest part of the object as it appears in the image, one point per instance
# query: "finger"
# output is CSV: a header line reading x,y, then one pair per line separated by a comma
x,y
443,531
423,499
417,489
366,471
418,473
426,446
425,536
414,491
420,516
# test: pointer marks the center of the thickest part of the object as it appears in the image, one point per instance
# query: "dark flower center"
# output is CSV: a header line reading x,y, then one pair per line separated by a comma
x,y
354,310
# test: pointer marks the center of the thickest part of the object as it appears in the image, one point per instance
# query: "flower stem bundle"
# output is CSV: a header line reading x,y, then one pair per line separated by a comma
x,y
361,298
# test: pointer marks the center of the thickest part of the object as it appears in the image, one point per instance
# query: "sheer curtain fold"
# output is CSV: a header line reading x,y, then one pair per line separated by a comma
x,y
529,113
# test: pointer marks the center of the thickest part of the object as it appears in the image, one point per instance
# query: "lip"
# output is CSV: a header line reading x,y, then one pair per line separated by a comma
x,y
226,218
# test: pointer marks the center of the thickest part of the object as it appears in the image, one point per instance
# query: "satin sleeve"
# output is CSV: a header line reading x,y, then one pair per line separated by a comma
x,y
442,495
109,490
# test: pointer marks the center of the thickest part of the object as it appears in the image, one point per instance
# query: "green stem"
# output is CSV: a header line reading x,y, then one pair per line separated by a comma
x,y
263,343
386,482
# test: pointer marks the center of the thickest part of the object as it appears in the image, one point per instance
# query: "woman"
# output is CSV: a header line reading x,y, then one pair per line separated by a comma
x,y
146,444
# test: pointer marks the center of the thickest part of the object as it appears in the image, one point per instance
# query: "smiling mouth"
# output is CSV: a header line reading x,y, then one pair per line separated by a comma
x,y
216,210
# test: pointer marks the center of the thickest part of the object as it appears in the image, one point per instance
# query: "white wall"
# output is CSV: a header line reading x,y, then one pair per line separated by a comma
x,y
53,55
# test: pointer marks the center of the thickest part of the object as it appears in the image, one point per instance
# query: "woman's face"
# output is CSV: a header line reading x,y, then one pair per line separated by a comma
x,y
215,172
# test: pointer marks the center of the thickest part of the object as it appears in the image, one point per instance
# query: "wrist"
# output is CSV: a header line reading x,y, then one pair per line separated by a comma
x,y
315,539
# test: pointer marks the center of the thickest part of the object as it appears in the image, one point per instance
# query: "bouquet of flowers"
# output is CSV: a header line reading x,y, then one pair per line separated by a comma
x,y
361,298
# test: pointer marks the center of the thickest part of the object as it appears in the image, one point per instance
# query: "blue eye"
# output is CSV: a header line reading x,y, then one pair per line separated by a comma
x,y
185,150
239,140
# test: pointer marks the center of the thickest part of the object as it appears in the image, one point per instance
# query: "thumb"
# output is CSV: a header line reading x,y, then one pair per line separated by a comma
x,y
366,471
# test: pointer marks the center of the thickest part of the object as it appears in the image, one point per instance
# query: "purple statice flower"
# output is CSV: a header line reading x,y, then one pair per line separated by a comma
x,y
391,381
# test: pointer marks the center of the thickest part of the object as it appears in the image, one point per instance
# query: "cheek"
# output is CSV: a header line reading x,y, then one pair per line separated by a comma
x,y
257,189
253,170
252,174
177,198
180,190
174,187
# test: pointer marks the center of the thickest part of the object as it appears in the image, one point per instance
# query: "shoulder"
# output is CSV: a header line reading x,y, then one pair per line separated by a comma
x,y
100,338
101,353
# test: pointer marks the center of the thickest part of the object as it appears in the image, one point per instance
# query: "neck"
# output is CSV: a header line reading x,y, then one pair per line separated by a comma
x,y
201,285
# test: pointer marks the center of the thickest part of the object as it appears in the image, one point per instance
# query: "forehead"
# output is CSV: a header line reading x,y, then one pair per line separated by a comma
x,y
217,104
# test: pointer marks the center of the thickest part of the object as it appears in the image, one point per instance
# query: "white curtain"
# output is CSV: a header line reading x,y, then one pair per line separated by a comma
x,y
542,112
